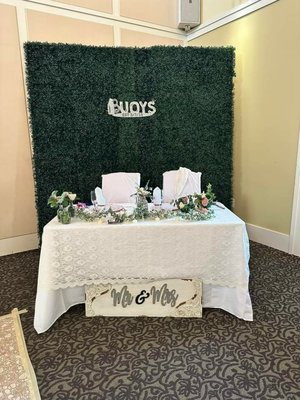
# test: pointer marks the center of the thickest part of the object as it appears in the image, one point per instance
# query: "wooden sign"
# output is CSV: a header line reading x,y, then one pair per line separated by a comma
x,y
170,297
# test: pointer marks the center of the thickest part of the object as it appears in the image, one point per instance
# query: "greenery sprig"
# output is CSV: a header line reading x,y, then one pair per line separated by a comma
x,y
143,191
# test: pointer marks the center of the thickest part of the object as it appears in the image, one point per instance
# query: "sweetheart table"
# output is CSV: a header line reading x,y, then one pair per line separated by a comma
x,y
84,253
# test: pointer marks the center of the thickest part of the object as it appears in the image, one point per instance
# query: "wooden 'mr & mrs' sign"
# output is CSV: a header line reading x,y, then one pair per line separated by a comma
x,y
170,297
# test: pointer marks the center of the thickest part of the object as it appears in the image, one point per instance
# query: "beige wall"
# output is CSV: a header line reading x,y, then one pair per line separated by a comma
x,y
132,38
45,27
102,5
267,110
17,211
212,9
161,12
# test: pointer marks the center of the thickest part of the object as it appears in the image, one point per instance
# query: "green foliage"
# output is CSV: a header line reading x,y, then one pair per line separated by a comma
x,y
65,199
210,195
75,141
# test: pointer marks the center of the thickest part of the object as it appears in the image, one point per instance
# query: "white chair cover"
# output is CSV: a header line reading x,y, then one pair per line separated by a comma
x,y
119,186
179,183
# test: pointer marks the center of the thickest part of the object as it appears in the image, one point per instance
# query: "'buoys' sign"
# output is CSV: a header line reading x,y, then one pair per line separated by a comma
x,y
133,109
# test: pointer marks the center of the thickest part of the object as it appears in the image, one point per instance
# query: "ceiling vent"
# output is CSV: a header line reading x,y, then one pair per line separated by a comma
x,y
188,14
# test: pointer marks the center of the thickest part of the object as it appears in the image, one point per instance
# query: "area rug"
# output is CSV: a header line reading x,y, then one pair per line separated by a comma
x,y
17,377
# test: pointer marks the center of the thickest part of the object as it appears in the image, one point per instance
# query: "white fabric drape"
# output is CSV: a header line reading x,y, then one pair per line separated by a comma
x,y
51,304
179,183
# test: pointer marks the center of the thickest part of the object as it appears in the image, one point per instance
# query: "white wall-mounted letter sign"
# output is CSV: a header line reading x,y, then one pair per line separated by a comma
x,y
134,109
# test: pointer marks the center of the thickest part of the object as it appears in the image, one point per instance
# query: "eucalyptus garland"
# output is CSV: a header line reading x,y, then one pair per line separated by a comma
x,y
109,216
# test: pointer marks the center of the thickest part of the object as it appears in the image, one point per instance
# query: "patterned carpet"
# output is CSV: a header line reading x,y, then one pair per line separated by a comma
x,y
216,357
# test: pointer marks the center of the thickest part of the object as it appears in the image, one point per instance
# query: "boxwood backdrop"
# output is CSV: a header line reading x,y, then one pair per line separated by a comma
x,y
75,140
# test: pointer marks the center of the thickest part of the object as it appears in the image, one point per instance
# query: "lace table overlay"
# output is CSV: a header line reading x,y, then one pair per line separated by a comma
x,y
215,251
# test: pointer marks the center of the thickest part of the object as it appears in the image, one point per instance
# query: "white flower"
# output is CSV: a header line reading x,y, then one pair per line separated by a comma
x,y
109,218
181,205
157,219
72,196
134,221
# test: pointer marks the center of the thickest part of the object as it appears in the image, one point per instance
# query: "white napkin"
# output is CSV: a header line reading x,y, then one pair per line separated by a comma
x,y
99,196
157,196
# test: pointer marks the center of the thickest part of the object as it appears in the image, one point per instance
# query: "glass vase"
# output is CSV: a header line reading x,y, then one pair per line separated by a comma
x,y
59,212
71,209
141,207
65,217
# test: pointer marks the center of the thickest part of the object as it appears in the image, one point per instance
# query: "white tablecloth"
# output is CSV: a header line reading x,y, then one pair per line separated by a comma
x,y
216,251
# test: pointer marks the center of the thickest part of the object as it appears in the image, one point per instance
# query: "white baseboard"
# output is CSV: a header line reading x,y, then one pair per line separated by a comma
x,y
18,243
277,240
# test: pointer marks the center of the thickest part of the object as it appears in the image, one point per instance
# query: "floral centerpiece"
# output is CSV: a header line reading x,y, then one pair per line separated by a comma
x,y
196,202
141,194
64,203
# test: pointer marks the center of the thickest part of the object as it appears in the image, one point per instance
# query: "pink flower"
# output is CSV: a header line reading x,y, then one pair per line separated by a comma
x,y
204,202
81,205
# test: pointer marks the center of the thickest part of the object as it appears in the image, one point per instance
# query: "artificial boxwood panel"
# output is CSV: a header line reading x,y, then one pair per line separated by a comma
x,y
75,140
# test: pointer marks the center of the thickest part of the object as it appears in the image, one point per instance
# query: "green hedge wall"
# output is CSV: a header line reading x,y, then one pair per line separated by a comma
x,y
75,141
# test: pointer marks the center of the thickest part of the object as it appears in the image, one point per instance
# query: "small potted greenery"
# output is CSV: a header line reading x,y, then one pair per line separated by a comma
x,y
64,204
141,200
